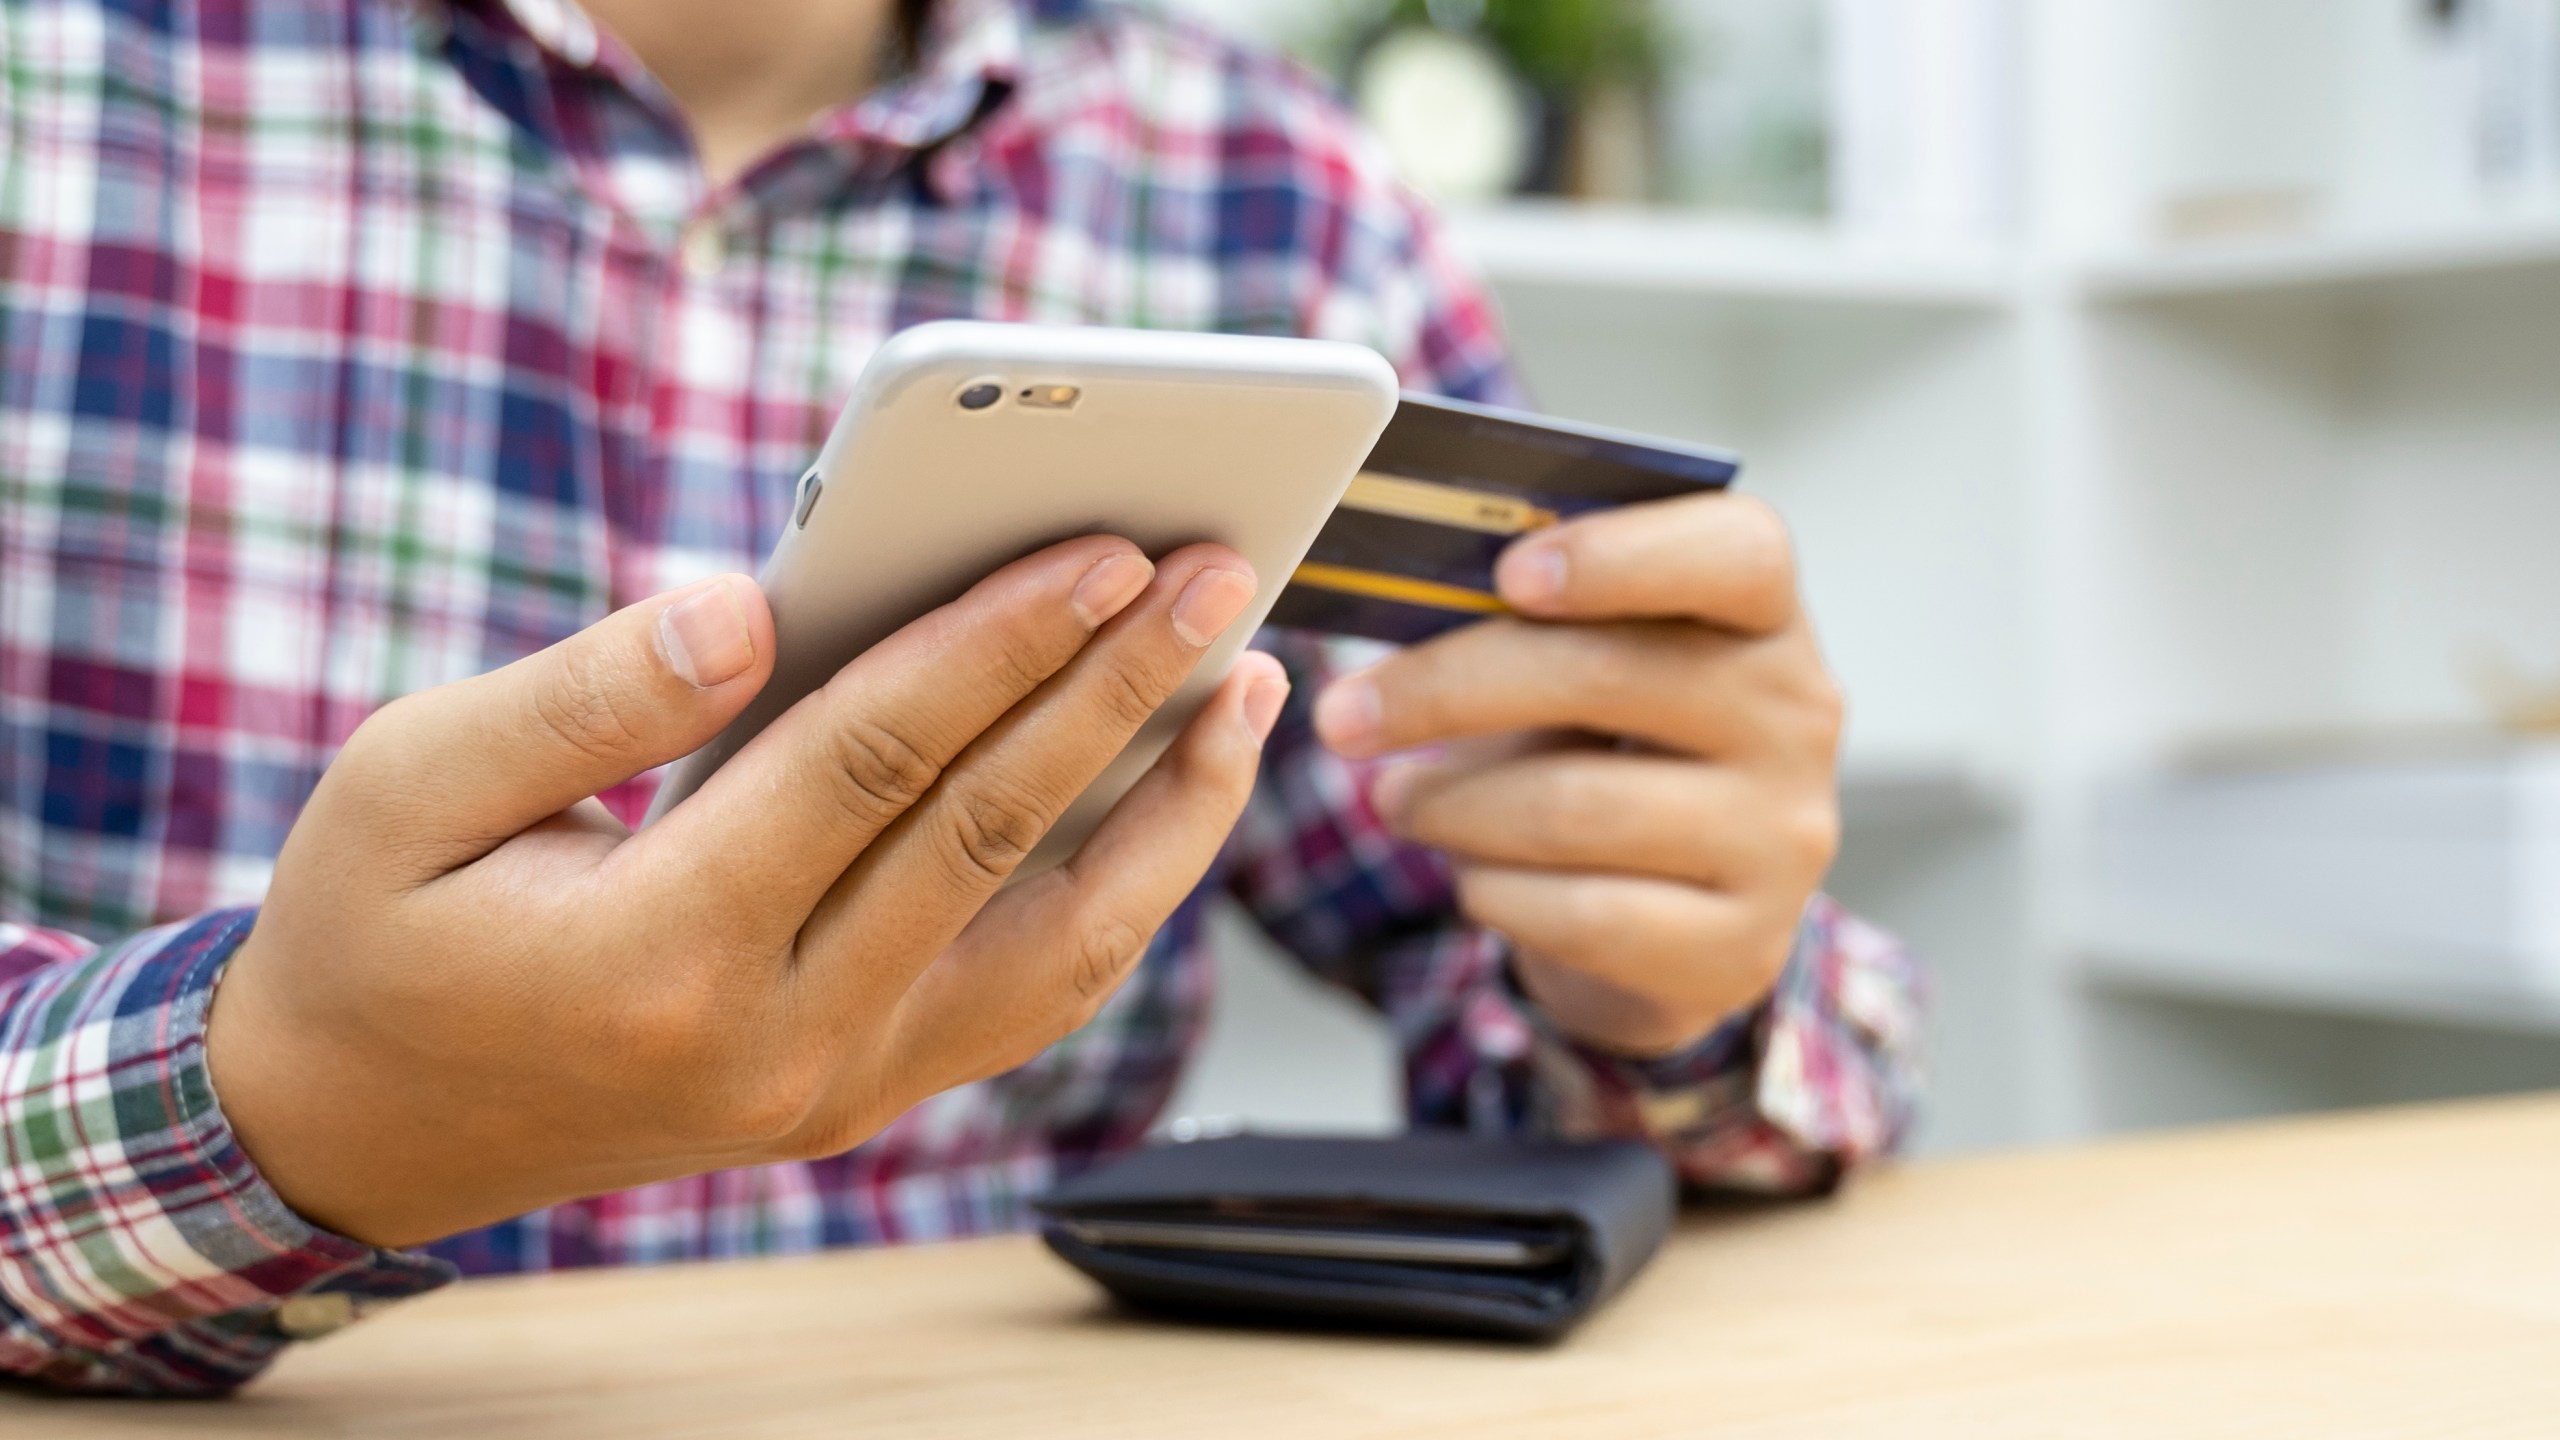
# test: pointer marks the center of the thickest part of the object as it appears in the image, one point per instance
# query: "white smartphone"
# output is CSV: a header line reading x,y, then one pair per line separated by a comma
x,y
967,445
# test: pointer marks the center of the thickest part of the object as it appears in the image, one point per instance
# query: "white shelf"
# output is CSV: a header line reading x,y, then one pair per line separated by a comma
x,y
2066,500
1894,790
2331,261
1656,251
2317,975
1620,248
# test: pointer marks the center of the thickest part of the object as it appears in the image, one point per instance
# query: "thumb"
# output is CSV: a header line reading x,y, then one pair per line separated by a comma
x,y
474,763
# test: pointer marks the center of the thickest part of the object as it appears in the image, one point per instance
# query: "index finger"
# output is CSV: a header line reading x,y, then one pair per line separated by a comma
x,y
1720,559
783,819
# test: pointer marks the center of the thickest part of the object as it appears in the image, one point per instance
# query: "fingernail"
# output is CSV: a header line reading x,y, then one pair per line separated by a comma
x,y
1262,707
1531,575
704,636
1109,586
1348,716
1209,604
1390,792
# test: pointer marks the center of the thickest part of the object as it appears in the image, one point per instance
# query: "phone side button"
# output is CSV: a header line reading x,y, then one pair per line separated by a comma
x,y
810,488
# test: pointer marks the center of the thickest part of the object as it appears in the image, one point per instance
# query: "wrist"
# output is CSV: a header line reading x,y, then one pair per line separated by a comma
x,y
1611,1018
358,1133
297,1108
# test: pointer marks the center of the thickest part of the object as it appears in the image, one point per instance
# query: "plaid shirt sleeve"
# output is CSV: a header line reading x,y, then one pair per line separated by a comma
x,y
139,1250
1783,1099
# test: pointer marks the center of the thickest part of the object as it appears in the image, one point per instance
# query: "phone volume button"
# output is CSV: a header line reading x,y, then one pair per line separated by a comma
x,y
810,487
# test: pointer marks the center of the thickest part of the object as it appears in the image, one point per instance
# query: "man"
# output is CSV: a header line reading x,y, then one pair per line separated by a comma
x,y
350,349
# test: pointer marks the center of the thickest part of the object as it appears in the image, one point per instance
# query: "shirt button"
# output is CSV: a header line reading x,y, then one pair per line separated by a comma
x,y
308,1317
703,251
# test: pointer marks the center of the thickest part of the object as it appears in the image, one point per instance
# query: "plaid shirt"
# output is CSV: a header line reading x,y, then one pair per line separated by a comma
x,y
354,346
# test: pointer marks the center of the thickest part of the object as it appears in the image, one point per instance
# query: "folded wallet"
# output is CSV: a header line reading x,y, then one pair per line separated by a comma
x,y
1430,1232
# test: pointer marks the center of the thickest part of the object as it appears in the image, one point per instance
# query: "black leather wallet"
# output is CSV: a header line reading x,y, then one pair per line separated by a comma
x,y
1448,1233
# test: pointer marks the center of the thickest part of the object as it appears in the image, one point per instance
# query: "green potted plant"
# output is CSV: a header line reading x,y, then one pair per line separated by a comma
x,y
1581,75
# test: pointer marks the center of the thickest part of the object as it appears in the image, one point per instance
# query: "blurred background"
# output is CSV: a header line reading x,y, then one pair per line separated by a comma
x,y
2166,396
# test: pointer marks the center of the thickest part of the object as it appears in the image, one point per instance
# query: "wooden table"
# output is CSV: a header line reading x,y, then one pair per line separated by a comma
x,y
2390,1274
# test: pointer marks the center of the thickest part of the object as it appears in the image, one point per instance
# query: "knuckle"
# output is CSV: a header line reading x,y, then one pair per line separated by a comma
x,y
1541,804
1024,660
667,1030
1485,897
1107,948
1131,694
1581,910
1569,802
685,1043
388,771
998,641
839,1106
1763,558
585,710
992,828
1811,835
393,740
1764,957
815,1139
1820,709
773,1107
1797,703
1826,710
1414,686
1824,695
377,753
385,729
883,772
1079,1018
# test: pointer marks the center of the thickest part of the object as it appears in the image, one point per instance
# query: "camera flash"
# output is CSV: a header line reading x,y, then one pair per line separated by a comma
x,y
1052,397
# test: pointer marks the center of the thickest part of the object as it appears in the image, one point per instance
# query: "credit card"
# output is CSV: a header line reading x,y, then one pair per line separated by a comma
x,y
1409,553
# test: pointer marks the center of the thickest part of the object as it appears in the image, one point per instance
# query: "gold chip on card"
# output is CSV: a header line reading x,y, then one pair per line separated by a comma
x,y
1455,505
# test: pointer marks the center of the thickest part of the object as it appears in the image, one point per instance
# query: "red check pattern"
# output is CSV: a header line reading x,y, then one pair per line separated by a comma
x,y
354,346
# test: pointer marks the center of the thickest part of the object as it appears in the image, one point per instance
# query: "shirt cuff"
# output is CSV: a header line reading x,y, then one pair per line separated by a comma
x,y
1784,1098
140,1251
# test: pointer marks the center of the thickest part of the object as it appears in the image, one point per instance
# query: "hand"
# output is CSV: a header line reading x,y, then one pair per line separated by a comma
x,y
470,993
1642,792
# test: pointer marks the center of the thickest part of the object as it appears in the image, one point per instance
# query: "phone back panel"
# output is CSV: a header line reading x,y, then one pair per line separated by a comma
x,y
1172,438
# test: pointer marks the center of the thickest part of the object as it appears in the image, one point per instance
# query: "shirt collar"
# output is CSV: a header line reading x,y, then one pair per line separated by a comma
x,y
562,27
970,51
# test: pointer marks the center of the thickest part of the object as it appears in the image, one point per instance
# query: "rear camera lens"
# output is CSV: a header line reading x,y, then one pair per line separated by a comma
x,y
979,397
